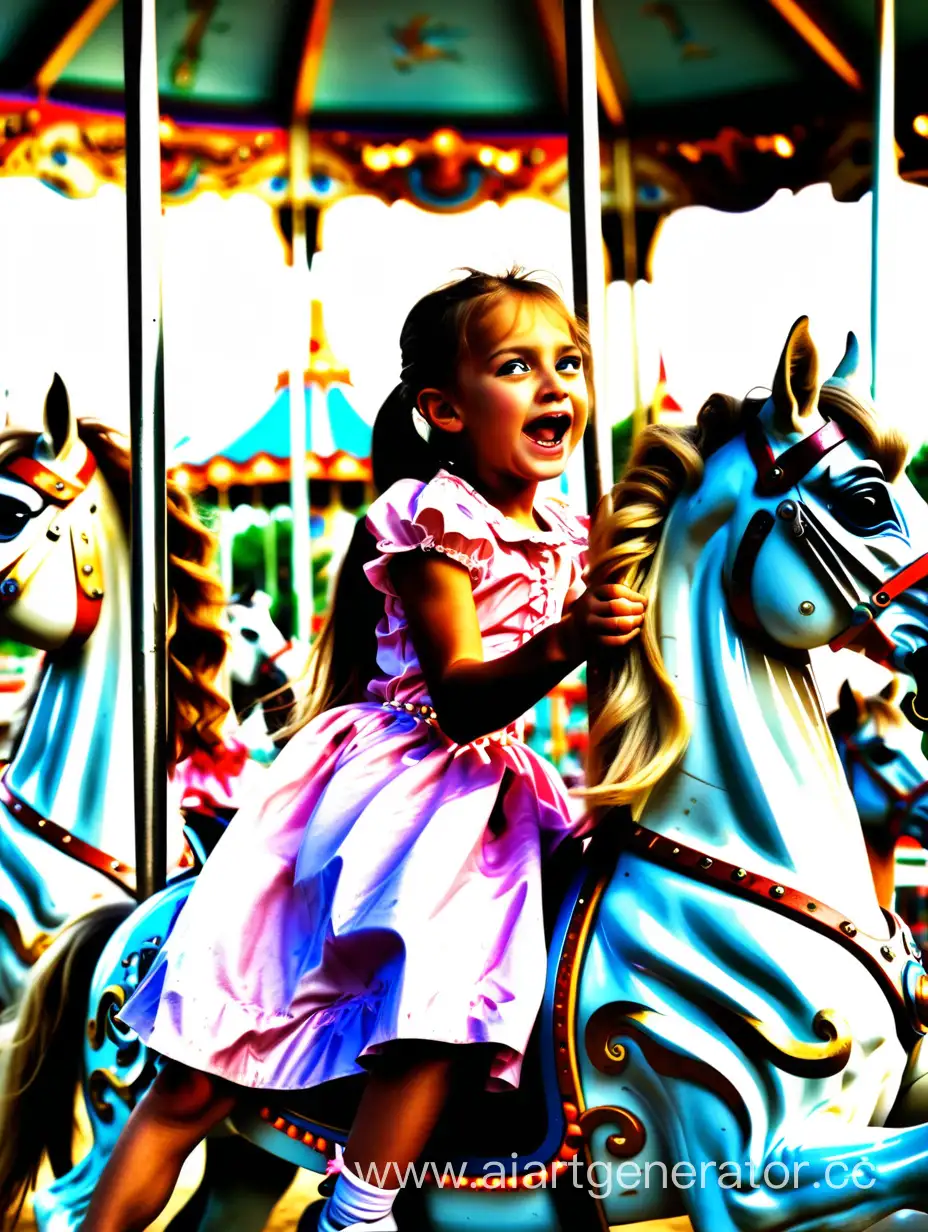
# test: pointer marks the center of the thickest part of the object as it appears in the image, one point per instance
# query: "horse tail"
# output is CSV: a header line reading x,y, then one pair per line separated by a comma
x,y
40,1061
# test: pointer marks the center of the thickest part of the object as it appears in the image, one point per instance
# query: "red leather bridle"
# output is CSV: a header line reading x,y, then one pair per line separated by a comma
x,y
60,493
775,477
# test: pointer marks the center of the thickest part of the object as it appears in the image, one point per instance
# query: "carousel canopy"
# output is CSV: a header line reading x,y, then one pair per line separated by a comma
x,y
338,437
724,103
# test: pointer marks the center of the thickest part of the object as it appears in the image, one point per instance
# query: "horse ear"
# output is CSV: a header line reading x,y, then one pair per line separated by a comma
x,y
60,425
851,707
795,385
244,596
849,366
890,692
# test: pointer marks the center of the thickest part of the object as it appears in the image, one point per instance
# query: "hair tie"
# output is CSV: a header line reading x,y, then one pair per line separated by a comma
x,y
421,424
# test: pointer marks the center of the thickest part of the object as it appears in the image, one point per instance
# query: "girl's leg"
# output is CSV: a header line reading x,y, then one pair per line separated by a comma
x,y
405,1095
178,1111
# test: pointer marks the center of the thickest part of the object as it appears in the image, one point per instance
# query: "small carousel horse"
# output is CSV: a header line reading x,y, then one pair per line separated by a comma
x,y
889,786
262,664
727,1004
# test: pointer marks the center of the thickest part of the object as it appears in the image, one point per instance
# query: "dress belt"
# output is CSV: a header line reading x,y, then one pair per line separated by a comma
x,y
513,734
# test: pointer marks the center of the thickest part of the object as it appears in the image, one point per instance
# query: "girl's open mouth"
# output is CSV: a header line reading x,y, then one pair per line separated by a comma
x,y
548,431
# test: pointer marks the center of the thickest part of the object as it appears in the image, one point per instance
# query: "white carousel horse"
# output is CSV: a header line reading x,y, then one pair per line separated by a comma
x,y
67,836
265,669
66,799
727,1004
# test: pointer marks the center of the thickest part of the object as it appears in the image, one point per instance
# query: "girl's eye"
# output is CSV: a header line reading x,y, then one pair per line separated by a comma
x,y
512,366
573,363
865,509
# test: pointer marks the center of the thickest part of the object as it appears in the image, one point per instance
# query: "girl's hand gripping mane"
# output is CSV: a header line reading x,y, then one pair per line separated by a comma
x,y
472,697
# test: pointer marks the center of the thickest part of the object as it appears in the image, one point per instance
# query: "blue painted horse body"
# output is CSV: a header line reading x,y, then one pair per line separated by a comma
x,y
727,1003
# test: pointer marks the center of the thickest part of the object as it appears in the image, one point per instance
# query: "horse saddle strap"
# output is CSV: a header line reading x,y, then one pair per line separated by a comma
x,y
66,842
887,959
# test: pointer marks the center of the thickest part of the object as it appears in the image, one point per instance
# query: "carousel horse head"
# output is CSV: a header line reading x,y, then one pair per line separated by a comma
x,y
64,534
889,785
51,522
798,506
826,532
262,663
256,642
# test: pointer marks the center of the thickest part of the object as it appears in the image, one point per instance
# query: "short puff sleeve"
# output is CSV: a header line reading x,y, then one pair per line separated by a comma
x,y
438,516
577,526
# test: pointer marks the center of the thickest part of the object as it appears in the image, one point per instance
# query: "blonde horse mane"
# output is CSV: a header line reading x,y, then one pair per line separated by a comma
x,y
641,729
196,640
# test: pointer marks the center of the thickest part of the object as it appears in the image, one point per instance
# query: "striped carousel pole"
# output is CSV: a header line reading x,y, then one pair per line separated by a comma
x,y
885,183
146,408
586,230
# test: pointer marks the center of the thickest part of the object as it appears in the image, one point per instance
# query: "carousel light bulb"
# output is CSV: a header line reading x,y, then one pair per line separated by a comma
x,y
507,163
376,159
920,124
182,478
486,156
783,146
445,140
220,472
402,156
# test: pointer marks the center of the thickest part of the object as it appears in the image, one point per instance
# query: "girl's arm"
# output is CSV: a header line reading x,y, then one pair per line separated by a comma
x,y
473,697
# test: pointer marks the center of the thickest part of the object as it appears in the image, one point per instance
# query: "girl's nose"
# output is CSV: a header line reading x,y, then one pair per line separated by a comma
x,y
553,389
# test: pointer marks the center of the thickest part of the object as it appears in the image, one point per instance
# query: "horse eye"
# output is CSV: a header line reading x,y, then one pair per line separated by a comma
x,y
13,517
249,635
881,754
865,509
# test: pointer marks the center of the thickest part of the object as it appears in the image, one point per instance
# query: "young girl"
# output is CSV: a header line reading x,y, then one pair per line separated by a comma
x,y
380,909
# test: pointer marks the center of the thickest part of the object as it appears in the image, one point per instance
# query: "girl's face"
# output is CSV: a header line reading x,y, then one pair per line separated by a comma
x,y
520,394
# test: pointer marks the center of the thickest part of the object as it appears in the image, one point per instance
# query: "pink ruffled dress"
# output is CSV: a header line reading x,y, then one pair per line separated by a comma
x,y
365,896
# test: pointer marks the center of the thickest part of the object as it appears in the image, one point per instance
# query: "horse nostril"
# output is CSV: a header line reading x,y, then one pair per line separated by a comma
x,y
249,635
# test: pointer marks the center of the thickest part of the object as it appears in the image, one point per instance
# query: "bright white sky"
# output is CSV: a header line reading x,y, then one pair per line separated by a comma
x,y
726,288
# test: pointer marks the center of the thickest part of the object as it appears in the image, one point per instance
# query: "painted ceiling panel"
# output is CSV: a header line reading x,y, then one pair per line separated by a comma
x,y
435,56
98,64
236,58
222,52
15,18
676,50
911,19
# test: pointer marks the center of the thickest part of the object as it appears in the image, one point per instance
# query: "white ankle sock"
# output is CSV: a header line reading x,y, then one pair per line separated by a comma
x,y
355,1200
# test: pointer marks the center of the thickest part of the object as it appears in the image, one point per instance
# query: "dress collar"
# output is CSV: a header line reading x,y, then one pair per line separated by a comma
x,y
564,526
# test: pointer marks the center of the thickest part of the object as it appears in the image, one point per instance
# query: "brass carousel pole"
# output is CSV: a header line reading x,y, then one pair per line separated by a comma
x,y
146,408
885,178
586,232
